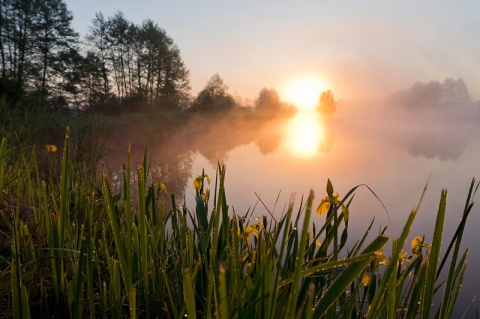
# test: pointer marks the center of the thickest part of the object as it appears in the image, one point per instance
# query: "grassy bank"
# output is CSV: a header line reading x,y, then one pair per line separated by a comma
x,y
73,247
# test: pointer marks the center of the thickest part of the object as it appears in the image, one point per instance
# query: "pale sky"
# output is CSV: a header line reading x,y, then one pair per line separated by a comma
x,y
358,49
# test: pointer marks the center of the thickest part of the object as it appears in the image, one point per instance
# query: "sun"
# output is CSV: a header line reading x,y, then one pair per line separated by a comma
x,y
303,92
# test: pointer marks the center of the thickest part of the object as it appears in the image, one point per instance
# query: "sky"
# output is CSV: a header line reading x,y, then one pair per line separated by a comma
x,y
357,49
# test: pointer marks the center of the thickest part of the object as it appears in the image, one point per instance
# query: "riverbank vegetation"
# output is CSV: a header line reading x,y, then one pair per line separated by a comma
x,y
78,240
74,244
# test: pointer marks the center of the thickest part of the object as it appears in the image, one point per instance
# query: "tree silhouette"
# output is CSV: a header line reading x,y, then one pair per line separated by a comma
x,y
268,102
421,95
214,97
454,92
326,102
141,63
32,35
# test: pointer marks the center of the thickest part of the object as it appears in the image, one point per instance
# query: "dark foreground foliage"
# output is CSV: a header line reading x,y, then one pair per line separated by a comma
x,y
72,246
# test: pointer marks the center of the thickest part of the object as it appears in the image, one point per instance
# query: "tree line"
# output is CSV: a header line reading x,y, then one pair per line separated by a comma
x,y
451,93
121,67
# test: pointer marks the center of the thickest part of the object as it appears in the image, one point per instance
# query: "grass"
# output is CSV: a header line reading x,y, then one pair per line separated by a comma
x,y
74,247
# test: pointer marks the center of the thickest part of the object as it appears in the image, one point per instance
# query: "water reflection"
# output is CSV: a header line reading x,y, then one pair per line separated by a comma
x,y
435,119
172,150
436,132
269,138
392,150
304,134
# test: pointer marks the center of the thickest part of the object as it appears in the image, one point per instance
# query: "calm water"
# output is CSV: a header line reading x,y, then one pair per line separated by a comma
x,y
394,153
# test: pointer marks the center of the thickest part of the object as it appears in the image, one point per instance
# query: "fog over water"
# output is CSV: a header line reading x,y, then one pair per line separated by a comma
x,y
395,145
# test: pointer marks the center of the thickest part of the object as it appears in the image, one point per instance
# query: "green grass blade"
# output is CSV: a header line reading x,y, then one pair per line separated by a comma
x,y
311,271
144,257
188,294
127,207
115,227
457,239
78,280
434,257
132,303
223,298
292,305
347,277
460,274
391,269
64,188
89,264
419,279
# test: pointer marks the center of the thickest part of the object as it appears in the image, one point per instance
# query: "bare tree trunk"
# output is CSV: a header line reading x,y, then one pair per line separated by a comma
x,y
2,52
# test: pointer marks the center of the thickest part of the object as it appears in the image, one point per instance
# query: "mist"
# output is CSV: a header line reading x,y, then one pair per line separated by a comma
x,y
431,120
435,119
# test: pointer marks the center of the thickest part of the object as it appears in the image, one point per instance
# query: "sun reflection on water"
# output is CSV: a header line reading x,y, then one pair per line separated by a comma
x,y
304,134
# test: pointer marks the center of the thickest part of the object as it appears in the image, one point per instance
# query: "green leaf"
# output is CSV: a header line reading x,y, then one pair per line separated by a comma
x,y
188,294
346,278
434,257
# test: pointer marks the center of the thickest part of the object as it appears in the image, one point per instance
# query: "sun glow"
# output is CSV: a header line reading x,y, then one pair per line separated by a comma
x,y
303,93
305,134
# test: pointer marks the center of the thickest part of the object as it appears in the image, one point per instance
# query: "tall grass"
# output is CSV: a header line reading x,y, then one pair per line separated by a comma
x,y
73,247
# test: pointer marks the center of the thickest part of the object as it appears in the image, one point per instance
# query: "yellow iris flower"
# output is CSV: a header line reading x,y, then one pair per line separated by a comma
x,y
417,245
326,203
51,148
161,186
198,181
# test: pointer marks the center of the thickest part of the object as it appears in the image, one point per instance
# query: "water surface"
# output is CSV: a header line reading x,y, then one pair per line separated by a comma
x,y
395,152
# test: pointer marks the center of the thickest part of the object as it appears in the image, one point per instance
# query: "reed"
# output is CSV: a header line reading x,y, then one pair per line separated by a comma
x,y
75,247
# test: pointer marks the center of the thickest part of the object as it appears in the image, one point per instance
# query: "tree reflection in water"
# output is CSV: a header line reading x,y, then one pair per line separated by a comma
x,y
171,150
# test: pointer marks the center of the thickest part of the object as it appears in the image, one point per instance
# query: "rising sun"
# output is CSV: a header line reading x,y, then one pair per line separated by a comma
x,y
303,92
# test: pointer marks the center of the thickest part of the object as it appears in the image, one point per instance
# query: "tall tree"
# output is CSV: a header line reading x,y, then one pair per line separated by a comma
x,y
15,44
32,34
214,97
97,37
93,82
52,34
162,74
268,102
120,36
142,62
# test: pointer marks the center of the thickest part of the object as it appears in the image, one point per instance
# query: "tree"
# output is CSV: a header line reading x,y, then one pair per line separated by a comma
x,y
70,64
121,36
268,102
214,97
142,63
421,95
52,34
454,92
15,45
125,64
32,34
162,76
326,102
93,82
97,37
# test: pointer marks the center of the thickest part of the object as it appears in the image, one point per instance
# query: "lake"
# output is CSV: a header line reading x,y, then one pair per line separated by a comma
x,y
395,152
